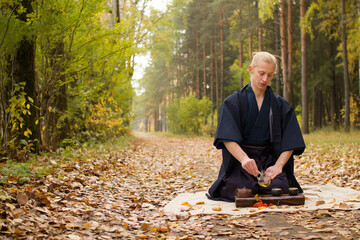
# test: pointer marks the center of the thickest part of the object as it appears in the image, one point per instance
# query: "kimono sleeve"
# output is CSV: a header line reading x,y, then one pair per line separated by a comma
x,y
229,124
292,138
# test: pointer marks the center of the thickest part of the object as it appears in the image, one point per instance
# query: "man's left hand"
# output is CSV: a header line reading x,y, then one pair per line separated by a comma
x,y
273,171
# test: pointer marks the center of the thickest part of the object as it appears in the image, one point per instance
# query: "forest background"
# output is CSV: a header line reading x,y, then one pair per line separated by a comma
x,y
67,67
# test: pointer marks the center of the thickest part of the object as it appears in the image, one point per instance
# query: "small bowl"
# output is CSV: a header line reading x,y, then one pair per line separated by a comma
x,y
276,191
293,191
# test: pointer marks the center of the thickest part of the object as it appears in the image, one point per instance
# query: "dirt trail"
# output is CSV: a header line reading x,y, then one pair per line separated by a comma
x,y
121,195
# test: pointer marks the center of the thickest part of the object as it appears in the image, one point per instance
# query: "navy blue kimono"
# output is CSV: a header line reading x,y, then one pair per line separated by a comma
x,y
282,133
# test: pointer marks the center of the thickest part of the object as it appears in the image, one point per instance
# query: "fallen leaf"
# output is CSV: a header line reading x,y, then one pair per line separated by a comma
x,y
145,226
344,205
10,206
88,225
320,202
217,208
22,198
186,204
143,237
351,200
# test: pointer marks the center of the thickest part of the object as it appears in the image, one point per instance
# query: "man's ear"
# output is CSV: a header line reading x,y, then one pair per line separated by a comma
x,y
250,69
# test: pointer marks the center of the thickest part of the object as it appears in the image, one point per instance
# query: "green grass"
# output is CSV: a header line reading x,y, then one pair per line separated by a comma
x,y
171,135
322,136
327,136
22,171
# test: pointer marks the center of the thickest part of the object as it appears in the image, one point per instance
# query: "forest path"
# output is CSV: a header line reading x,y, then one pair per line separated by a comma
x,y
122,194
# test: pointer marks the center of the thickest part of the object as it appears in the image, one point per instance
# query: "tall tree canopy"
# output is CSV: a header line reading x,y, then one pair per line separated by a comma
x,y
209,45
66,70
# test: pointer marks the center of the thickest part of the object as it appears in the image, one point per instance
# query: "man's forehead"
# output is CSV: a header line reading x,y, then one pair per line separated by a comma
x,y
264,69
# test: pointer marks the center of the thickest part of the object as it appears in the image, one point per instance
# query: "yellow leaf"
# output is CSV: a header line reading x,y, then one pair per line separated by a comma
x,y
145,226
186,204
28,106
143,237
163,230
87,225
125,226
218,208
27,133
257,197
50,108
36,122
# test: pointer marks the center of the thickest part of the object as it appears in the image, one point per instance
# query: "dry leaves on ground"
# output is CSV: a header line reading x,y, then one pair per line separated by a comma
x,y
122,194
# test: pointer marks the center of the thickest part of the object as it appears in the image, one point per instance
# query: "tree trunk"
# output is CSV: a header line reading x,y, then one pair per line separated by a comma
x,y
260,39
211,71
359,55
284,49
290,52
156,119
212,79
197,66
278,75
115,17
345,64
23,70
204,52
241,54
216,70
222,56
304,88
250,46
55,97
317,108
333,114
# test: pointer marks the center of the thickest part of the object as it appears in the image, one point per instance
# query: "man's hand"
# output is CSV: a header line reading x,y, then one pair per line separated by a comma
x,y
273,171
249,165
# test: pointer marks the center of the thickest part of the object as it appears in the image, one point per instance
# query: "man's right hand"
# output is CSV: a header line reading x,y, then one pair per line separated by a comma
x,y
249,165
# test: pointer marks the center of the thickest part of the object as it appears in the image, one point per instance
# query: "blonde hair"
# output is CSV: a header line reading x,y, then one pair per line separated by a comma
x,y
263,56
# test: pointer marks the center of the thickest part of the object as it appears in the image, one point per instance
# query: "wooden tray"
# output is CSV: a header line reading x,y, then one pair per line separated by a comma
x,y
284,199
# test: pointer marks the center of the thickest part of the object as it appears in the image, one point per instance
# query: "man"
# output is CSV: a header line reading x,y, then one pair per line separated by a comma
x,y
257,130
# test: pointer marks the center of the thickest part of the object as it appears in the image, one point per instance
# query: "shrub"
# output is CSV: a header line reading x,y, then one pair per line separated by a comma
x,y
189,115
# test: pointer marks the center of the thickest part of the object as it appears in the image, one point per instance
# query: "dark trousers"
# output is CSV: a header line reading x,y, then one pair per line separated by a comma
x,y
239,177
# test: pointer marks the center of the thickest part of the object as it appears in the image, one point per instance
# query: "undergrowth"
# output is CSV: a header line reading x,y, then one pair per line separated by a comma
x,y
45,163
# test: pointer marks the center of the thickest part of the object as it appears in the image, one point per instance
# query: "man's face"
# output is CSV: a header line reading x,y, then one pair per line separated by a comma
x,y
261,75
